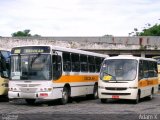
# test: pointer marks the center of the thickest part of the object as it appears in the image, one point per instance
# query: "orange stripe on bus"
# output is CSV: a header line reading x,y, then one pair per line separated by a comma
x,y
144,83
77,78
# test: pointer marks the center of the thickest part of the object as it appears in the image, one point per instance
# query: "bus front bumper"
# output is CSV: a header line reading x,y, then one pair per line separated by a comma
x,y
114,94
22,95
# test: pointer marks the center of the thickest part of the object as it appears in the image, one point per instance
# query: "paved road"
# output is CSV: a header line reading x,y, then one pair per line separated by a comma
x,y
81,108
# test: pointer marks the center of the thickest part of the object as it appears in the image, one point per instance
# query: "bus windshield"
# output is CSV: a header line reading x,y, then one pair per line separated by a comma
x,y
4,64
30,67
118,69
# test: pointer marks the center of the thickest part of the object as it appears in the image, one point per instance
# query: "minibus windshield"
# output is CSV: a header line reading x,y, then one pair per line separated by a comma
x,y
118,70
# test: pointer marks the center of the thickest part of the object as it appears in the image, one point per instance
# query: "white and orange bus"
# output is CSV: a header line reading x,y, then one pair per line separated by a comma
x,y
4,72
128,77
52,72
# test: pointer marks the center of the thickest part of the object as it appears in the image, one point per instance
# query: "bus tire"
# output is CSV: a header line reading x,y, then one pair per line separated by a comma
x,y
136,101
103,100
30,101
95,92
65,96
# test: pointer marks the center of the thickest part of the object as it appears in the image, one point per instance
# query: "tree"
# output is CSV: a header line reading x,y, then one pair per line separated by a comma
x,y
134,33
147,31
152,31
24,33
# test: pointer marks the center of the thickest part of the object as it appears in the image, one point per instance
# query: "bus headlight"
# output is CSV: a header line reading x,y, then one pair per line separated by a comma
x,y
14,89
10,89
45,89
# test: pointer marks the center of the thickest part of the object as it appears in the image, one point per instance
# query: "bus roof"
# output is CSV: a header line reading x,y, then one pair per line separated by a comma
x,y
130,57
156,57
78,51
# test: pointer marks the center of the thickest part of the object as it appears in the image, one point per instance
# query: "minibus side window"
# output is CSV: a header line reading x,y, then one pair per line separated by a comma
x,y
146,69
141,72
152,69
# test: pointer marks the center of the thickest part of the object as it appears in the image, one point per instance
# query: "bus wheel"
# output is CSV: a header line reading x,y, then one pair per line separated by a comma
x,y
30,101
95,92
65,96
103,100
136,101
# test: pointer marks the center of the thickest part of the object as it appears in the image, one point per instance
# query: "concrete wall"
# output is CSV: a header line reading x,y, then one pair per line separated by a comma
x,y
105,42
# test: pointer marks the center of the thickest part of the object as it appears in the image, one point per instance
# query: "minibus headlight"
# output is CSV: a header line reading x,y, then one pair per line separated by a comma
x,y
133,87
101,87
49,89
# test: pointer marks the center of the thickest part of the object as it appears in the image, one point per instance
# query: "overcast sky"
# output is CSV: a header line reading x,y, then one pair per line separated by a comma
x,y
77,17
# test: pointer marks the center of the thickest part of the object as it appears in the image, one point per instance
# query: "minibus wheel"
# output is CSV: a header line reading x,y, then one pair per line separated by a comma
x,y
65,96
136,101
30,101
95,92
103,100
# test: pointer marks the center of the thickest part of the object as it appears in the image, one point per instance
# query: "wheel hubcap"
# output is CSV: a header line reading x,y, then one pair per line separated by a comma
x,y
65,95
96,94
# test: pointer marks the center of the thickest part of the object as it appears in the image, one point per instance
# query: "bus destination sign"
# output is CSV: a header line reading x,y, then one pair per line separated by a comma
x,y
31,50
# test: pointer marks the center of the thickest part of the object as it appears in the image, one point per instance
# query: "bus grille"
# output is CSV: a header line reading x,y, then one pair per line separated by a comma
x,y
28,90
34,85
116,93
28,85
116,88
22,85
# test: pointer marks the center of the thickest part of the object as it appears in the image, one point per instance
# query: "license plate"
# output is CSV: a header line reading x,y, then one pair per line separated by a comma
x,y
115,96
43,94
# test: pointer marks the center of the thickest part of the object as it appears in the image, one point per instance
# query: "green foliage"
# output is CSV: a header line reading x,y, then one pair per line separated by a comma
x,y
25,33
152,31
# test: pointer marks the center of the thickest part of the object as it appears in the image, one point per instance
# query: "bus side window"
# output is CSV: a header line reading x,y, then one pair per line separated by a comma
x,y
4,64
84,63
155,69
75,62
98,62
141,73
57,66
66,62
91,62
